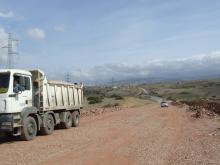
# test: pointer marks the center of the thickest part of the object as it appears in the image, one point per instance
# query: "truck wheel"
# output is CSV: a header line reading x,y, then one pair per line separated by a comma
x,y
76,119
68,121
29,129
49,125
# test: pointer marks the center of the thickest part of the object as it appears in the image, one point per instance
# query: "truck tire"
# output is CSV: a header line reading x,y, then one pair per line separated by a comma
x,y
49,125
68,121
76,119
29,129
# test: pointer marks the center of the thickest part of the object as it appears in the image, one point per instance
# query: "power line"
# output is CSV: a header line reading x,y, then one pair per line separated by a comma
x,y
11,53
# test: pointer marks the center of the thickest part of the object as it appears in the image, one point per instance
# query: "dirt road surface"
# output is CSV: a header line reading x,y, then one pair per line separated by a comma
x,y
142,135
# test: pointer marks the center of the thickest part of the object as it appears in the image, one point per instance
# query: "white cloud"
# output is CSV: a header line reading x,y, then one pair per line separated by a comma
x,y
36,33
3,35
60,28
186,68
9,14
3,42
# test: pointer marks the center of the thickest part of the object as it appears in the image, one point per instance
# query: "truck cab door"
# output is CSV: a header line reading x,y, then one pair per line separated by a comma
x,y
23,92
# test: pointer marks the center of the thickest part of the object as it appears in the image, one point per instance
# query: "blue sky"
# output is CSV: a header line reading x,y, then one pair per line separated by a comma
x,y
86,37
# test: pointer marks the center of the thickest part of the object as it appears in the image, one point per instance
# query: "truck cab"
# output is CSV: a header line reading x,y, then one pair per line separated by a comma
x,y
15,95
15,90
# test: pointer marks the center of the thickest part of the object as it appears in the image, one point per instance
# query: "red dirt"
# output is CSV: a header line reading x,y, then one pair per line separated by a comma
x,y
144,135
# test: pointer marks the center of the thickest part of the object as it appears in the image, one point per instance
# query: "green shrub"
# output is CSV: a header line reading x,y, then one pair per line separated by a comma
x,y
184,93
119,97
94,100
116,97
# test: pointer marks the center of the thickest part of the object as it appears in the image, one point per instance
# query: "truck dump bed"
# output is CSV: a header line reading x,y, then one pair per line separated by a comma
x,y
56,95
61,95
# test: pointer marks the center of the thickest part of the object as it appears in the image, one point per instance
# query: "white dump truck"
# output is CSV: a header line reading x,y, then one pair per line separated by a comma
x,y
29,103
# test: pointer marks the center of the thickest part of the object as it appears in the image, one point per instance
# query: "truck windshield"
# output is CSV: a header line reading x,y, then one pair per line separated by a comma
x,y
4,82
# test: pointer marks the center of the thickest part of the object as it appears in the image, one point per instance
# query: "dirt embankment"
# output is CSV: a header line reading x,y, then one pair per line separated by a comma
x,y
201,108
207,105
140,135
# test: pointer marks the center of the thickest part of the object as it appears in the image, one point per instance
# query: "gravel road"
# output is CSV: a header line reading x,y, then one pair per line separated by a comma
x,y
141,135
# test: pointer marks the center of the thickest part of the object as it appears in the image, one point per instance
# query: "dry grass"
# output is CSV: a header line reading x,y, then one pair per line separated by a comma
x,y
129,97
133,102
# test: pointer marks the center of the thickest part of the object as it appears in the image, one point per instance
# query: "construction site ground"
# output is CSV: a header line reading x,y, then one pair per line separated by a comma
x,y
139,135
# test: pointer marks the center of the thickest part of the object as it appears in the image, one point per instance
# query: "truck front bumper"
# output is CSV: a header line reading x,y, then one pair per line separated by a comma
x,y
6,122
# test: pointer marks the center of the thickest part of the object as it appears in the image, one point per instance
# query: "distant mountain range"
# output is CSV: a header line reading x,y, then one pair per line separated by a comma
x,y
150,80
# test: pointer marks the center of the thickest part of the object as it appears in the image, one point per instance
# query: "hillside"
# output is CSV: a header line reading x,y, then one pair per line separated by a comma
x,y
200,90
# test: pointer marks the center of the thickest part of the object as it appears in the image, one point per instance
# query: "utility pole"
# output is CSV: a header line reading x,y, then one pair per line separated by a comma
x,y
10,55
68,77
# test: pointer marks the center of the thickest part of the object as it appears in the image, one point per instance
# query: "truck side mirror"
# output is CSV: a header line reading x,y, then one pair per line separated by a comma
x,y
18,90
15,90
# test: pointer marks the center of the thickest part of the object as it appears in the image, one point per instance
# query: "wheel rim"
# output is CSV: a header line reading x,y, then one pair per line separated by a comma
x,y
69,122
31,129
49,123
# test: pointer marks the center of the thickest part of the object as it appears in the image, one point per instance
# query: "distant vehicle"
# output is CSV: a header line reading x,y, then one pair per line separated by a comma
x,y
30,103
164,104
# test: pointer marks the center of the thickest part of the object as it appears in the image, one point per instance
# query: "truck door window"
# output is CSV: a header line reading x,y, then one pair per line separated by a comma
x,y
27,83
21,83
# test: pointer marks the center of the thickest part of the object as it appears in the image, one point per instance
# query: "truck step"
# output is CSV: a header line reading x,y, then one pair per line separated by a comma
x,y
17,131
16,125
17,134
16,118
